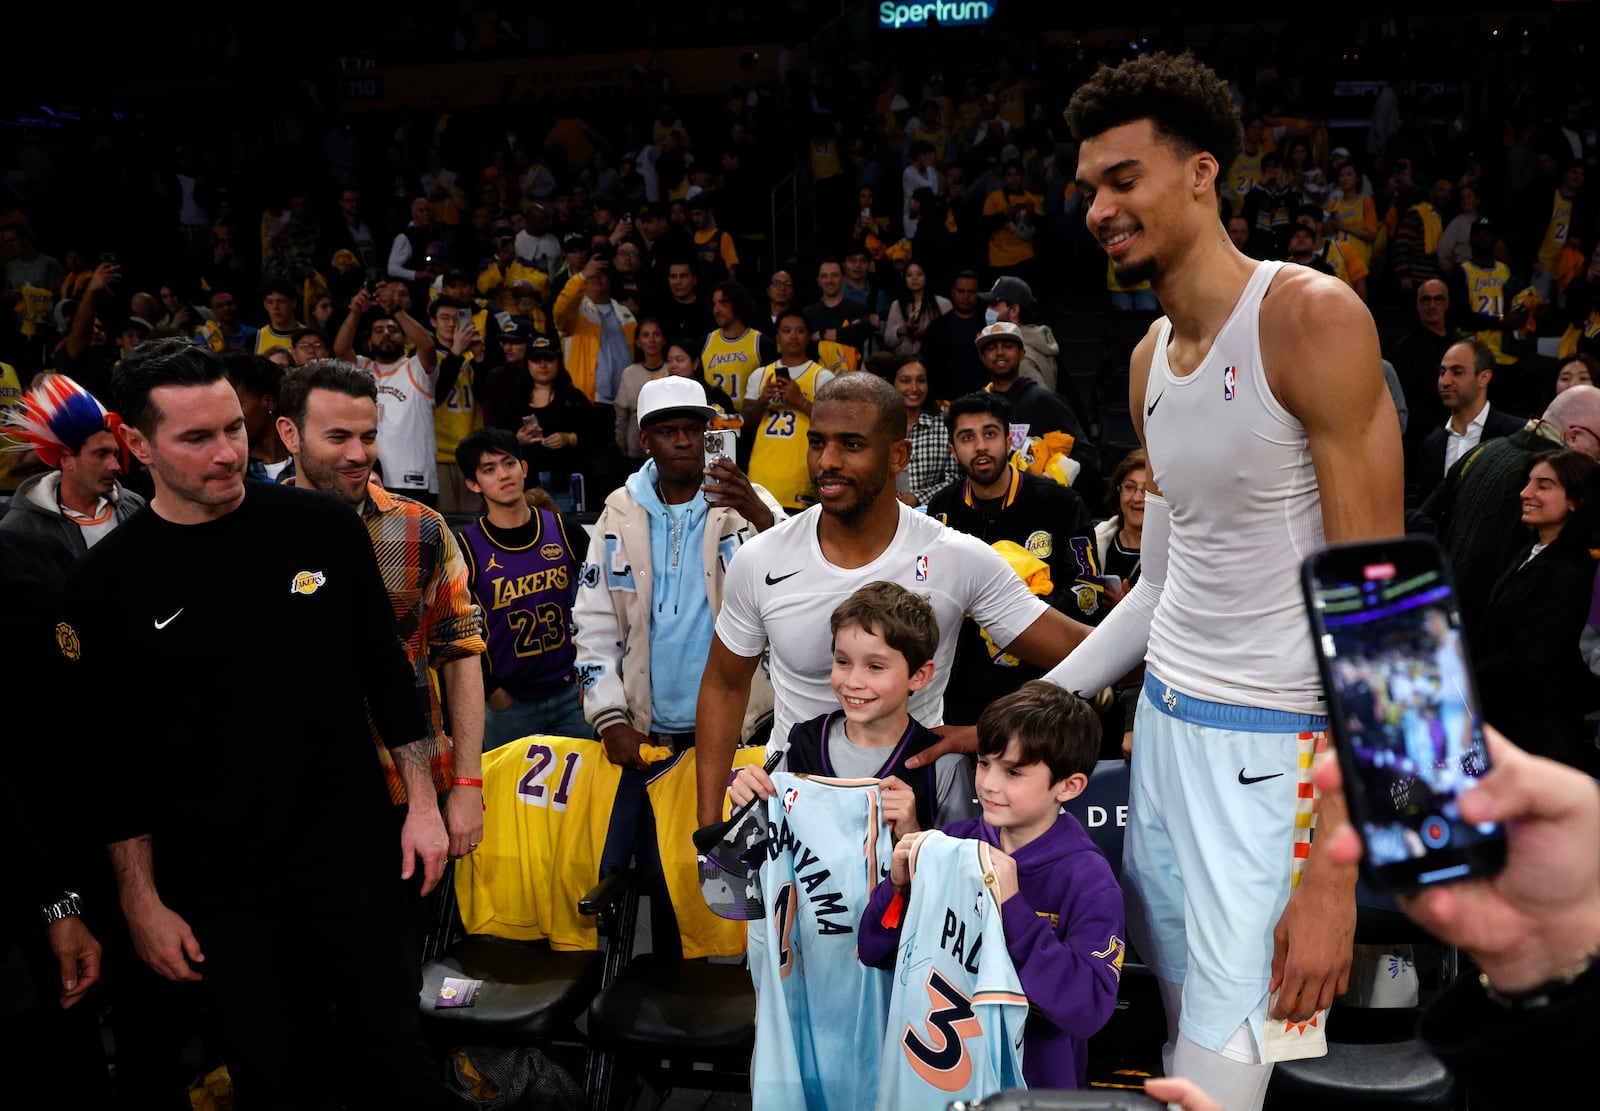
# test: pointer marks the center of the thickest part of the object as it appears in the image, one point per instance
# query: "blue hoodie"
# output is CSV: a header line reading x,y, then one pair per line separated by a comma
x,y
1064,931
680,621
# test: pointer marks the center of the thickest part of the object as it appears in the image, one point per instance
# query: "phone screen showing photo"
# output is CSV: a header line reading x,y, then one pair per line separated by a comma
x,y
1403,710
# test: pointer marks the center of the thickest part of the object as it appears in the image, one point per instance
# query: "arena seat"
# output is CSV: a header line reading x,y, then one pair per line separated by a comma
x,y
532,995
673,1021
1374,1058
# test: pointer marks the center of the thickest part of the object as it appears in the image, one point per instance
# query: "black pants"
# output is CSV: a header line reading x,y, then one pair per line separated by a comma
x,y
271,978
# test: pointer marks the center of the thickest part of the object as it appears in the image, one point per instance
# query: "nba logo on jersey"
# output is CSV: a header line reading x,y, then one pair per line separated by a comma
x,y
790,797
922,568
1230,383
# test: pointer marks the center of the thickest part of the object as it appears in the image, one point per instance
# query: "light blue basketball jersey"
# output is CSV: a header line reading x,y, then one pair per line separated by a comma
x,y
820,1012
957,1011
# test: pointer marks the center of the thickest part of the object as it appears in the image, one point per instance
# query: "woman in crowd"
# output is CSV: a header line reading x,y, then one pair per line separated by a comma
x,y
533,396
1531,673
1579,370
1116,539
649,363
1352,219
683,359
1455,242
319,312
932,467
912,312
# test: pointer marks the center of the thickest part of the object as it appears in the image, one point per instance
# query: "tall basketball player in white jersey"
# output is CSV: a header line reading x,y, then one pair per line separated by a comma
x,y
1261,400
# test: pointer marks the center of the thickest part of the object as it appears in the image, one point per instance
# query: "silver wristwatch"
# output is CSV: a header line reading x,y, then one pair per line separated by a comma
x,y
69,904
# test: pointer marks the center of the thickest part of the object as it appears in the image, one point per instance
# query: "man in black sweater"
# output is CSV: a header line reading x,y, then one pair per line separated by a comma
x,y
278,888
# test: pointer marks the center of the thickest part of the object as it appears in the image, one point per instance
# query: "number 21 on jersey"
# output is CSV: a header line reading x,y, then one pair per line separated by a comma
x,y
542,760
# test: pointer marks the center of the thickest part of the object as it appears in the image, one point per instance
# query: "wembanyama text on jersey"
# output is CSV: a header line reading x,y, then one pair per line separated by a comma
x,y
819,1010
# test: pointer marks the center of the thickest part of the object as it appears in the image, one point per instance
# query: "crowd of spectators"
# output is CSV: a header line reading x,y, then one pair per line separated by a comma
x,y
844,209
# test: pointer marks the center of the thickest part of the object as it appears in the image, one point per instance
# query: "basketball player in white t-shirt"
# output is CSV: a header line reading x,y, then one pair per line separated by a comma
x,y
407,450
1261,401
783,585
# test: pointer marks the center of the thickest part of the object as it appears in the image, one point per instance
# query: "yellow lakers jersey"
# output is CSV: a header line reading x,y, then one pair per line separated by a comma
x,y
547,807
547,811
10,395
671,786
728,363
778,457
457,413
1346,265
1555,234
1354,212
1243,176
34,308
1486,295
268,338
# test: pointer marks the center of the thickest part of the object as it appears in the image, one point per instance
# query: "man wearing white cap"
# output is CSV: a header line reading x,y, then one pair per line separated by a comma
x,y
650,591
1035,410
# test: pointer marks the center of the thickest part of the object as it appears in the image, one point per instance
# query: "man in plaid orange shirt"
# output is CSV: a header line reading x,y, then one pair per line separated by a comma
x,y
328,418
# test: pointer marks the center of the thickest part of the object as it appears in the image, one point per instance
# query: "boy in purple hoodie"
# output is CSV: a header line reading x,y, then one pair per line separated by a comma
x,y
1060,902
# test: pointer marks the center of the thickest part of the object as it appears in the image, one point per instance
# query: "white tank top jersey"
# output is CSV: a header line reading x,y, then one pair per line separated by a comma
x,y
1235,466
406,446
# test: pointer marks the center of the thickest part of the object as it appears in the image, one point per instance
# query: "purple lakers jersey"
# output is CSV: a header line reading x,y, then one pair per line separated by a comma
x,y
526,592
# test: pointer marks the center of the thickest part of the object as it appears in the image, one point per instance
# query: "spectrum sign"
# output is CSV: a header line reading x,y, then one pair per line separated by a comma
x,y
949,13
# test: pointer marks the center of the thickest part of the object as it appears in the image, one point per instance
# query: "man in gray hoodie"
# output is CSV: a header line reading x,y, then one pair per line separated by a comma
x,y
79,500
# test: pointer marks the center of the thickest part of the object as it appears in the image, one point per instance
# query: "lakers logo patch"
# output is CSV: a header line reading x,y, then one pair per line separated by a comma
x,y
551,551
307,582
1040,544
1114,953
67,641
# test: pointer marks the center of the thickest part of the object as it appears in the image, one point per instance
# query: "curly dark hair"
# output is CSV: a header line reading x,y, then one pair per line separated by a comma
x,y
1185,100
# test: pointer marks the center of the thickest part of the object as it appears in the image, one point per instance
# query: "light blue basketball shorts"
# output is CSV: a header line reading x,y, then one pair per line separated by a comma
x,y
1220,815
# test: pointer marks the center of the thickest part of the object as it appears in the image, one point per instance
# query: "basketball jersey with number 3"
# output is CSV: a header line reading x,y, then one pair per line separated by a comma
x,y
819,1010
957,1012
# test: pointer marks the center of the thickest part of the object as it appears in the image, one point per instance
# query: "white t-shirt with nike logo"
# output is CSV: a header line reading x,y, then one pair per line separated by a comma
x,y
957,573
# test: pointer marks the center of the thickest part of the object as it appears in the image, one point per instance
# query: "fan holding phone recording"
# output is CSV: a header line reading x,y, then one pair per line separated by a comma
x,y
1403,709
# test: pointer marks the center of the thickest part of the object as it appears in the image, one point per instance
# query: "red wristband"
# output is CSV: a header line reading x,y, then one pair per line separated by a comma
x,y
463,781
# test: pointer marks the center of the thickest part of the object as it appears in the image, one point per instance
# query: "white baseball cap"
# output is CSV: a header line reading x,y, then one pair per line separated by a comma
x,y
671,394
1003,329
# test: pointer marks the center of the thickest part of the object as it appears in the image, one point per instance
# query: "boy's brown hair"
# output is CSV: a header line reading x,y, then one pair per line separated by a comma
x,y
905,621
1050,724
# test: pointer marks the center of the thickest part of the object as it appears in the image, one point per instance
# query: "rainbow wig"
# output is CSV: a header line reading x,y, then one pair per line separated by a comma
x,y
56,418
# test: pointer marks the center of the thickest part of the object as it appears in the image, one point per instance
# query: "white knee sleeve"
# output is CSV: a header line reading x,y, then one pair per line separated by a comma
x,y
1233,1077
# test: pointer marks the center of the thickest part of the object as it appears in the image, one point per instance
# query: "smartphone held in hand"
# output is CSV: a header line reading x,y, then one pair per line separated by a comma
x,y
720,443
1402,708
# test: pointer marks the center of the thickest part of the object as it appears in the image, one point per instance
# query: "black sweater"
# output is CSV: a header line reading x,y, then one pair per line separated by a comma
x,y
232,666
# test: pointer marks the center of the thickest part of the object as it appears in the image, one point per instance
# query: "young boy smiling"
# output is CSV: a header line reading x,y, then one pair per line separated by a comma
x,y
884,638
1060,902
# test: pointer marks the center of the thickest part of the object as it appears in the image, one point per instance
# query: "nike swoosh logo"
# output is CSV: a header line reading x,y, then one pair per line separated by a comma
x,y
775,581
1249,779
168,621
1153,404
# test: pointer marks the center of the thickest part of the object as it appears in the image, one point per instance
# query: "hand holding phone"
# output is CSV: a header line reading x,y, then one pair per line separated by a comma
x,y
1402,709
